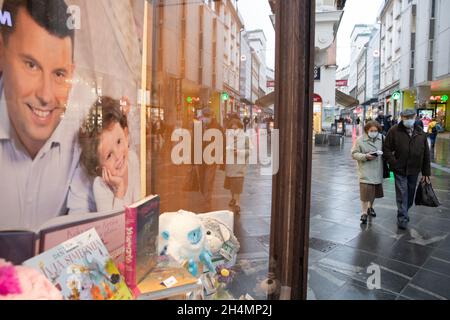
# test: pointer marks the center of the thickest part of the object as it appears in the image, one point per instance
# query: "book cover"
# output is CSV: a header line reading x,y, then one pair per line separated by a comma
x,y
165,268
82,269
17,246
141,239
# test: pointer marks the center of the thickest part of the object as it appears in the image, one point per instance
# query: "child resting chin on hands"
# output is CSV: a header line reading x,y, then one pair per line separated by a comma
x,y
106,158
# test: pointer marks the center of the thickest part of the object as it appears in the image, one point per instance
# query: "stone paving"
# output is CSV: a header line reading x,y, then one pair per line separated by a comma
x,y
414,264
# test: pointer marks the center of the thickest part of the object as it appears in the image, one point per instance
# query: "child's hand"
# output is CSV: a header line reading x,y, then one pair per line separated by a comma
x,y
116,184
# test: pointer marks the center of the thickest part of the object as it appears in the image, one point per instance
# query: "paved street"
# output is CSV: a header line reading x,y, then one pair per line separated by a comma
x,y
414,264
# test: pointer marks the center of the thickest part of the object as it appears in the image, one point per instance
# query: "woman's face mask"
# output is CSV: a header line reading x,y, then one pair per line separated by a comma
x,y
373,134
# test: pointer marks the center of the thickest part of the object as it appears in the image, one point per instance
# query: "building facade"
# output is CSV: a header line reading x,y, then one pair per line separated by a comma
x,y
360,36
328,18
197,60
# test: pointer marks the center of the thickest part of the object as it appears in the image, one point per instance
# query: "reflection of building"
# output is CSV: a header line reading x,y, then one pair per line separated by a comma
x,y
231,57
257,41
253,70
245,75
197,59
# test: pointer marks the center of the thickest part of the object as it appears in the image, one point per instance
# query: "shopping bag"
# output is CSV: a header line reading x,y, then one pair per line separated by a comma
x,y
386,171
425,195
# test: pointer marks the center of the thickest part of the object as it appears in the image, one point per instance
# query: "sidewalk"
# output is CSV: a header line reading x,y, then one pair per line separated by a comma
x,y
414,264
444,135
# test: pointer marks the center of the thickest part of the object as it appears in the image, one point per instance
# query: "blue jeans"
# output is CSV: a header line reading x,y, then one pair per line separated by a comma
x,y
405,189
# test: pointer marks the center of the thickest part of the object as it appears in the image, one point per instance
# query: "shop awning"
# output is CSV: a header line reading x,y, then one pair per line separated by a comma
x,y
266,101
345,100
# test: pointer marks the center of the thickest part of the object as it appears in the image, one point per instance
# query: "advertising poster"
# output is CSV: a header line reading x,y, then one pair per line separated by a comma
x,y
70,75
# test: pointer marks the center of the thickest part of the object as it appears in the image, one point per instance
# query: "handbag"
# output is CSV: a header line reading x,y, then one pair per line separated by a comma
x,y
386,171
425,195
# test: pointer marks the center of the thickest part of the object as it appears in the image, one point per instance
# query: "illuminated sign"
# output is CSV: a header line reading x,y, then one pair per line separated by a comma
x,y
270,84
225,96
5,18
341,83
396,95
443,98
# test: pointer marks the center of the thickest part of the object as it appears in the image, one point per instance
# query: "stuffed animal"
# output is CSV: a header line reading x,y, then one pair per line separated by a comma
x,y
182,236
220,238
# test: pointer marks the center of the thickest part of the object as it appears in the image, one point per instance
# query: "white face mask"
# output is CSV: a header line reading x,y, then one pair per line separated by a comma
x,y
409,123
373,135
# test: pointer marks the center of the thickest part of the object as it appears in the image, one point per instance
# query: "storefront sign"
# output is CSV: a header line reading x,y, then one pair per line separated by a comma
x,y
341,83
316,73
443,98
317,98
396,95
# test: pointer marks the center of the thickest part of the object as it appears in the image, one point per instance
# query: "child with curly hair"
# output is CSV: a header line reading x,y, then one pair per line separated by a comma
x,y
105,155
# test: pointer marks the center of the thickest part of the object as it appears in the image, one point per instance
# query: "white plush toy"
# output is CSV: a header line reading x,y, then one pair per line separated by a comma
x,y
182,236
217,233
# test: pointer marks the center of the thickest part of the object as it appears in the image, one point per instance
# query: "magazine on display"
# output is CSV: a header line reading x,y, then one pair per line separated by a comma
x,y
82,269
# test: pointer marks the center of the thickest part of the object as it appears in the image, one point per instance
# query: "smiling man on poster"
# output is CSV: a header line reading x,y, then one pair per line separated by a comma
x,y
38,153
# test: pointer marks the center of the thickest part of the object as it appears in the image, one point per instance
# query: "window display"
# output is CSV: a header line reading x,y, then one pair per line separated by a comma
x,y
94,96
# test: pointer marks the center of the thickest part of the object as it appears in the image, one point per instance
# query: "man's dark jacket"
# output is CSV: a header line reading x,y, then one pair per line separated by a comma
x,y
407,155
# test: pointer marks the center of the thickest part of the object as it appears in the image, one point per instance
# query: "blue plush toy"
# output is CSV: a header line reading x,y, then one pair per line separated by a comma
x,y
182,236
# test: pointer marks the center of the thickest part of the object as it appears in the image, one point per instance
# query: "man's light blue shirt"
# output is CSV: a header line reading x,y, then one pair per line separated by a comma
x,y
32,191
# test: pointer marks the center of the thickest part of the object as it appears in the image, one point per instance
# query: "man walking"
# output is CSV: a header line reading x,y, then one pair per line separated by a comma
x,y
381,119
407,152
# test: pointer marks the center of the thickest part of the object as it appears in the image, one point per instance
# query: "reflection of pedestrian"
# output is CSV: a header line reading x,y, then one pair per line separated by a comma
x,y
207,172
246,122
235,173
433,132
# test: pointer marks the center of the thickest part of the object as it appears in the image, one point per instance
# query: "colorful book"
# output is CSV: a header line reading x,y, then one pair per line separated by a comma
x,y
82,269
19,245
141,240
154,286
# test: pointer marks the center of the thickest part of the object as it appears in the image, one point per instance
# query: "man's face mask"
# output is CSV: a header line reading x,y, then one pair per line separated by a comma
x,y
409,123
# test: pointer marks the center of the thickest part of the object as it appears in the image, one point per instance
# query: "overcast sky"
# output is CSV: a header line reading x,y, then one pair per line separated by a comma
x,y
256,16
355,12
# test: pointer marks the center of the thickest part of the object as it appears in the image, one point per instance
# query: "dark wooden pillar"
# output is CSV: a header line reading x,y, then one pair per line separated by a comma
x,y
294,67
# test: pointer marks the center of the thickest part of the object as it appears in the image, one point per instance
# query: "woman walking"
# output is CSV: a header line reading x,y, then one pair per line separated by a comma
x,y
236,170
367,151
